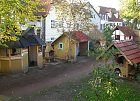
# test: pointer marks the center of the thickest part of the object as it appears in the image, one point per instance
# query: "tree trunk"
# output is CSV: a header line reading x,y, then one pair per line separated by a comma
x,y
43,29
69,47
135,24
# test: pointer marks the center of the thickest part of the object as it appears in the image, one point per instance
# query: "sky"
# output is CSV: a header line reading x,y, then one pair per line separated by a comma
x,y
106,3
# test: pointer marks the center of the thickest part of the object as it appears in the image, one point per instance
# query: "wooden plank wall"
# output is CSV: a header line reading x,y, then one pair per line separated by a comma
x,y
137,36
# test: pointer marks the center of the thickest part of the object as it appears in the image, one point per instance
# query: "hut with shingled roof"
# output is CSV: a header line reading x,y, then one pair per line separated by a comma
x,y
128,54
79,44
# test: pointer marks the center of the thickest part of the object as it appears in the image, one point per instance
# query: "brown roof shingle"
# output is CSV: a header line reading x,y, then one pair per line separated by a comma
x,y
125,29
130,50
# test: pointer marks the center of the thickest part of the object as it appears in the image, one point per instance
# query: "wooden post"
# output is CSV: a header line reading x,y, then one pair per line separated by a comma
x,y
21,58
0,52
41,48
0,60
37,54
9,51
126,69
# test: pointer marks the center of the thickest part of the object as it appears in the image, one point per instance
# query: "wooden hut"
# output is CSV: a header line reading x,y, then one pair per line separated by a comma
x,y
79,44
35,57
121,33
97,36
14,58
128,55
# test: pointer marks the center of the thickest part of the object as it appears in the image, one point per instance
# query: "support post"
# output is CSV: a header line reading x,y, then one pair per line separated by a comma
x,y
9,51
37,54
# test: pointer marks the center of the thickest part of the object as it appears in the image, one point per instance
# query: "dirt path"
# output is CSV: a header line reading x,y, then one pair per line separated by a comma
x,y
24,84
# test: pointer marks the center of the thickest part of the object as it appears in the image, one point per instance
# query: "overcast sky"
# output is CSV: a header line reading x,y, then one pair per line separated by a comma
x,y
106,3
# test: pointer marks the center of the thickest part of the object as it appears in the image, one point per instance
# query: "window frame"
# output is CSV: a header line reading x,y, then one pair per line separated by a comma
x,y
52,23
117,37
38,32
60,47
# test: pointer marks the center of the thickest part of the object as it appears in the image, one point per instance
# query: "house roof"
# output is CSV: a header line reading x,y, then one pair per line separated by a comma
x,y
104,10
93,8
76,36
47,7
21,43
128,49
125,29
33,39
96,34
114,19
79,36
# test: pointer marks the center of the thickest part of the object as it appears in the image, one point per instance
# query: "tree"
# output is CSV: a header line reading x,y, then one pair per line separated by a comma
x,y
14,12
74,16
130,9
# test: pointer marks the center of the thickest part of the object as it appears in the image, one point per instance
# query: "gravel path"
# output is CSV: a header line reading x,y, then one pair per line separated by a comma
x,y
20,85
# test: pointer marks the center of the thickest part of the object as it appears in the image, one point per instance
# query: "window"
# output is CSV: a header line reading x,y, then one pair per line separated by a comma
x,y
52,38
117,37
38,18
61,46
38,32
23,31
52,23
60,24
94,16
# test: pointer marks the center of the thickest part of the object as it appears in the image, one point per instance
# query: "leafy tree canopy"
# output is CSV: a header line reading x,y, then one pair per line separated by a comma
x,y
14,12
73,16
130,9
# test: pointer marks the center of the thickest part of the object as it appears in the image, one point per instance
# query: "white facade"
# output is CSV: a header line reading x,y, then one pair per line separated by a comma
x,y
96,18
51,33
120,36
104,20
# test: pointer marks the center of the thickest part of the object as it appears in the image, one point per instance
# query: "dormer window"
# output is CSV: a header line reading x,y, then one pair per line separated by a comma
x,y
116,15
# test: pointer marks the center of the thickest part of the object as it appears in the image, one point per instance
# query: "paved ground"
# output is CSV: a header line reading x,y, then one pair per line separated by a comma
x,y
20,85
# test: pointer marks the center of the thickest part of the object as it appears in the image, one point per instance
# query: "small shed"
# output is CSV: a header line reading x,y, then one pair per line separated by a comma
x,y
79,44
128,55
14,58
121,33
97,36
35,56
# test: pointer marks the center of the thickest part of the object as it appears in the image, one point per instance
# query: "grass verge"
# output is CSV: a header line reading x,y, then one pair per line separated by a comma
x,y
80,90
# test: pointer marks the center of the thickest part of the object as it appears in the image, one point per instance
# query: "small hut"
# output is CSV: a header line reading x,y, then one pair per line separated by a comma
x,y
14,58
121,33
128,55
35,56
97,36
79,44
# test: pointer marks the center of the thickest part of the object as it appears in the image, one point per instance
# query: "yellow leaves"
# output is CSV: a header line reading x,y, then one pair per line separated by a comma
x,y
109,83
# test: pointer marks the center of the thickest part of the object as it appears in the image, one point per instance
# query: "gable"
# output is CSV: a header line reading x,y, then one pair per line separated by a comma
x,y
125,29
128,49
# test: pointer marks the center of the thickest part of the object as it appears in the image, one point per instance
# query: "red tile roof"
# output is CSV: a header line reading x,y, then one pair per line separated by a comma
x,y
104,10
79,36
47,7
130,50
125,29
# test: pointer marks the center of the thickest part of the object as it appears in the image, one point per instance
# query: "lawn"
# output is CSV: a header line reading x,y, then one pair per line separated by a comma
x,y
80,90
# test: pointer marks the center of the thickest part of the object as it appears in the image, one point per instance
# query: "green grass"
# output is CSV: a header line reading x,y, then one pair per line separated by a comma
x,y
82,91
128,91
